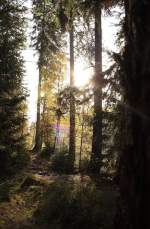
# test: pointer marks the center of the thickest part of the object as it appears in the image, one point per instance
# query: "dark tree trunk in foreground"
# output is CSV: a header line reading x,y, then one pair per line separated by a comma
x,y
134,209
72,99
38,137
97,121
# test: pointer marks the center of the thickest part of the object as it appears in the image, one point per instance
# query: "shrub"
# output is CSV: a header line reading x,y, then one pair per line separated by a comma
x,y
12,162
60,162
84,166
68,206
4,191
47,151
19,161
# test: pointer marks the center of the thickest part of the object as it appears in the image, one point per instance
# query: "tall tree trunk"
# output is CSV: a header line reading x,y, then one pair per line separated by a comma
x,y
134,207
72,99
81,140
38,137
98,80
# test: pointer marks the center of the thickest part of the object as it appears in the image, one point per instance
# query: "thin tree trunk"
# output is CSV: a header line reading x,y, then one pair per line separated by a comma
x,y
44,123
97,120
81,142
72,99
57,133
38,137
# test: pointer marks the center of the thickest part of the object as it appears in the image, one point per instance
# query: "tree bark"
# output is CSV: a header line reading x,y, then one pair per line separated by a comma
x,y
57,137
38,137
134,205
98,80
72,99
81,138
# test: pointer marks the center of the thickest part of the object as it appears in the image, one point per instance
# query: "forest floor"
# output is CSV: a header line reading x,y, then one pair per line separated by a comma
x,y
27,189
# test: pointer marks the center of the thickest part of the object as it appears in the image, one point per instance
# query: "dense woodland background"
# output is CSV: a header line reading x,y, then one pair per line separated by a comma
x,y
85,163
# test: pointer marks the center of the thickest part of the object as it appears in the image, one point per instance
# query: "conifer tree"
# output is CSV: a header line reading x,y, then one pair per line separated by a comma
x,y
12,93
93,11
47,41
67,15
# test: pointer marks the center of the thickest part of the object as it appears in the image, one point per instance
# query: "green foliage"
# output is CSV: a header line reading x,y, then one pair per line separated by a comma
x,y
12,162
12,93
47,151
47,33
18,161
60,162
4,192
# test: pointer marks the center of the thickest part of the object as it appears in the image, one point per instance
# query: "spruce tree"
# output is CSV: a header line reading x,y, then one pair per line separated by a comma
x,y
98,85
47,41
68,11
12,92
93,12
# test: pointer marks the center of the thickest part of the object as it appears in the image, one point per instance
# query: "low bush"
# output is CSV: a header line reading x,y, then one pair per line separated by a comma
x,y
69,206
47,151
84,166
4,191
19,161
12,162
60,162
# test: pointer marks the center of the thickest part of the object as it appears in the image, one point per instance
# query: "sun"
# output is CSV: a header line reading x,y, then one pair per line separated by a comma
x,y
82,74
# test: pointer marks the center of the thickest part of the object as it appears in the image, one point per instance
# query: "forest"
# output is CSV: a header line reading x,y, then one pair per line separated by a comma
x,y
83,161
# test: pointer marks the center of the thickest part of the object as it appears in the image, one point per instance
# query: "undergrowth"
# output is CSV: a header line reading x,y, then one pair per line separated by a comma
x,y
75,206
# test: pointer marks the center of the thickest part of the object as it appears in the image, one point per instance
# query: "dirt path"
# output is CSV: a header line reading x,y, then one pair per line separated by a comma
x,y
17,213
